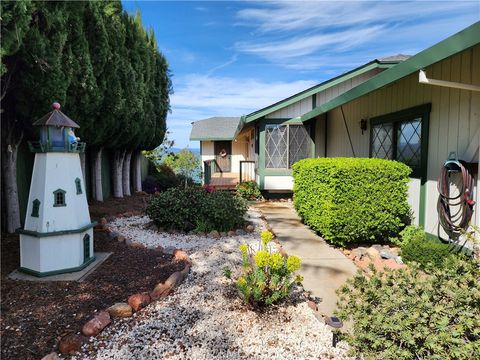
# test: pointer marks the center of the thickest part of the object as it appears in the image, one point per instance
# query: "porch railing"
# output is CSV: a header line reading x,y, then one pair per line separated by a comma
x,y
247,171
210,167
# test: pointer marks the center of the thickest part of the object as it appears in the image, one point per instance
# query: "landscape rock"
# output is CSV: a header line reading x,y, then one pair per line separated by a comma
x,y
120,310
70,344
249,228
378,264
160,291
312,305
181,255
231,233
386,254
392,264
51,356
373,253
377,247
223,234
97,324
139,301
358,253
103,221
398,260
121,238
240,232
214,234
169,250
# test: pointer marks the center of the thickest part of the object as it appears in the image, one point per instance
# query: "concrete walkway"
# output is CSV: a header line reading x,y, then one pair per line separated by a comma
x,y
324,268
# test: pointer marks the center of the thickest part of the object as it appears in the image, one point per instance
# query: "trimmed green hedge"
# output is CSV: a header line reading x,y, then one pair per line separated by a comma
x,y
351,200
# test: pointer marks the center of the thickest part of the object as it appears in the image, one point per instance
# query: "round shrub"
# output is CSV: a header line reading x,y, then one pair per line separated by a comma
x,y
194,208
416,247
352,200
407,314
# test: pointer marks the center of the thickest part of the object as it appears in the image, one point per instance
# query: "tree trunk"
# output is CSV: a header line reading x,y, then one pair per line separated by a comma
x,y
83,164
98,189
117,173
137,172
9,171
126,173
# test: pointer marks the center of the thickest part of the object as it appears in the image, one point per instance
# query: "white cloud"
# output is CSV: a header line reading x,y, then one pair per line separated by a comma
x,y
201,96
306,35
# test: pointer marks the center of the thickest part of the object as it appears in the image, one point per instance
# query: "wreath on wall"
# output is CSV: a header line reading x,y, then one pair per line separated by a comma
x,y
223,153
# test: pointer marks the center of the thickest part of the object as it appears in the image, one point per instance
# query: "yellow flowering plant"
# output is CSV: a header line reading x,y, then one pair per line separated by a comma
x,y
267,277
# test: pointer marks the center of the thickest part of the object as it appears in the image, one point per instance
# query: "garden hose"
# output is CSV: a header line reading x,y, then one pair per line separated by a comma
x,y
455,212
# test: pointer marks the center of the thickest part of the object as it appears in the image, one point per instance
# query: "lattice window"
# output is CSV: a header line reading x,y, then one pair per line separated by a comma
x,y
299,144
276,146
382,141
59,198
78,186
409,137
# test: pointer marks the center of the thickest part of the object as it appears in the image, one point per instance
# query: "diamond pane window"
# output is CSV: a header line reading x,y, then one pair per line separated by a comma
x,y
299,144
409,148
401,136
276,147
382,141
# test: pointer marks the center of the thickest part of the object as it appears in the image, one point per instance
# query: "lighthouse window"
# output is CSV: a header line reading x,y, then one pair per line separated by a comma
x,y
78,185
59,198
35,207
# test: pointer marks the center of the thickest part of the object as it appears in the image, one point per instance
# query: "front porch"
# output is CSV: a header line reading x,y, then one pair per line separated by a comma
x,y
214,175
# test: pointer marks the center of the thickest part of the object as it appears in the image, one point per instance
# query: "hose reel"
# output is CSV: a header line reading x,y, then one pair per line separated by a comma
x,y
455,211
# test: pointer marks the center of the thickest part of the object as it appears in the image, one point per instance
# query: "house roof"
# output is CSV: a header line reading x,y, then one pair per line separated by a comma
x,y
381,63
454,44
56,118
215,128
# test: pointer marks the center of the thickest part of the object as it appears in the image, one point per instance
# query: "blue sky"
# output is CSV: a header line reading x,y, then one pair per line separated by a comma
x,y
232,58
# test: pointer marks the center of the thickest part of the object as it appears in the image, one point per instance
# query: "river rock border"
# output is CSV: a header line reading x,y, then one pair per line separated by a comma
x,y
71,343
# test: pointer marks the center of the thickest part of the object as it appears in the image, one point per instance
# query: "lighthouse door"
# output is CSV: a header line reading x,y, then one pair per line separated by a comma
x,y
86,247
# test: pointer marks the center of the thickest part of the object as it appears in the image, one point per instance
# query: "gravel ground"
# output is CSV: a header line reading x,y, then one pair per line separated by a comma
x,y
205,318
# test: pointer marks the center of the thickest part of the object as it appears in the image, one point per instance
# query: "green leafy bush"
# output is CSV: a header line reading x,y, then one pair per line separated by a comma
x,y
248,190
411,232
407,314
267,277
195,208
415,246
351,200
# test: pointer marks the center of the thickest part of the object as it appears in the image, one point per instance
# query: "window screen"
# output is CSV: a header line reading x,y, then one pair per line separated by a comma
x,y
276,146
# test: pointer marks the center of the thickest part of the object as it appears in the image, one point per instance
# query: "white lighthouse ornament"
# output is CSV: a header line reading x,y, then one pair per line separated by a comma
x,y
58,233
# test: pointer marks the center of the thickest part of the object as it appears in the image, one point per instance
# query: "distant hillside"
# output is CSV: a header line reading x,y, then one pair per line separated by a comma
x,y
176,150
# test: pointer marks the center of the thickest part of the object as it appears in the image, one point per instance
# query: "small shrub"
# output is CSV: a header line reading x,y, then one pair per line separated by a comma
x,y
194,207
352,200
248,190
407,314
415,246
166,177
150,185
267,277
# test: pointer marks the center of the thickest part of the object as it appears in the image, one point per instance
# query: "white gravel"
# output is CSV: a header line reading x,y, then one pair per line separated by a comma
x,y
204,318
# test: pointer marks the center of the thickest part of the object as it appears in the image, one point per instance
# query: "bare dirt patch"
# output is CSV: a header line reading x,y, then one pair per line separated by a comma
x,y
35,315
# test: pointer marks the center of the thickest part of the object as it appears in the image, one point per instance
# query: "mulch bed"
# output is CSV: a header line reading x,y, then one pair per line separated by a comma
x,y
35,315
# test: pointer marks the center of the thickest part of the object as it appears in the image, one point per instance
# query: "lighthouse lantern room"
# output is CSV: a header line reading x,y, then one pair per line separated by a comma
x,y
58,232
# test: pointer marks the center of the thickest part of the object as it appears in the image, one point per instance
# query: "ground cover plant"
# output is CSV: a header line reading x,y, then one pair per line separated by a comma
x,y
248,190
266,277
352,200
409,314
195,208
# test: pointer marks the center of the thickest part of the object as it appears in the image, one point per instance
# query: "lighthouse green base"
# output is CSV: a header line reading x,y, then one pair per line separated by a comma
x,y
45,254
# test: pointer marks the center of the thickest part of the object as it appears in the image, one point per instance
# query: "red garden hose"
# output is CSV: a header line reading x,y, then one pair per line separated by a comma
x,y
455,212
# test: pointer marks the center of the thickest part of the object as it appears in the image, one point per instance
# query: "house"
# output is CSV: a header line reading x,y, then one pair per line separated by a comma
x,y
263,145
399,112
